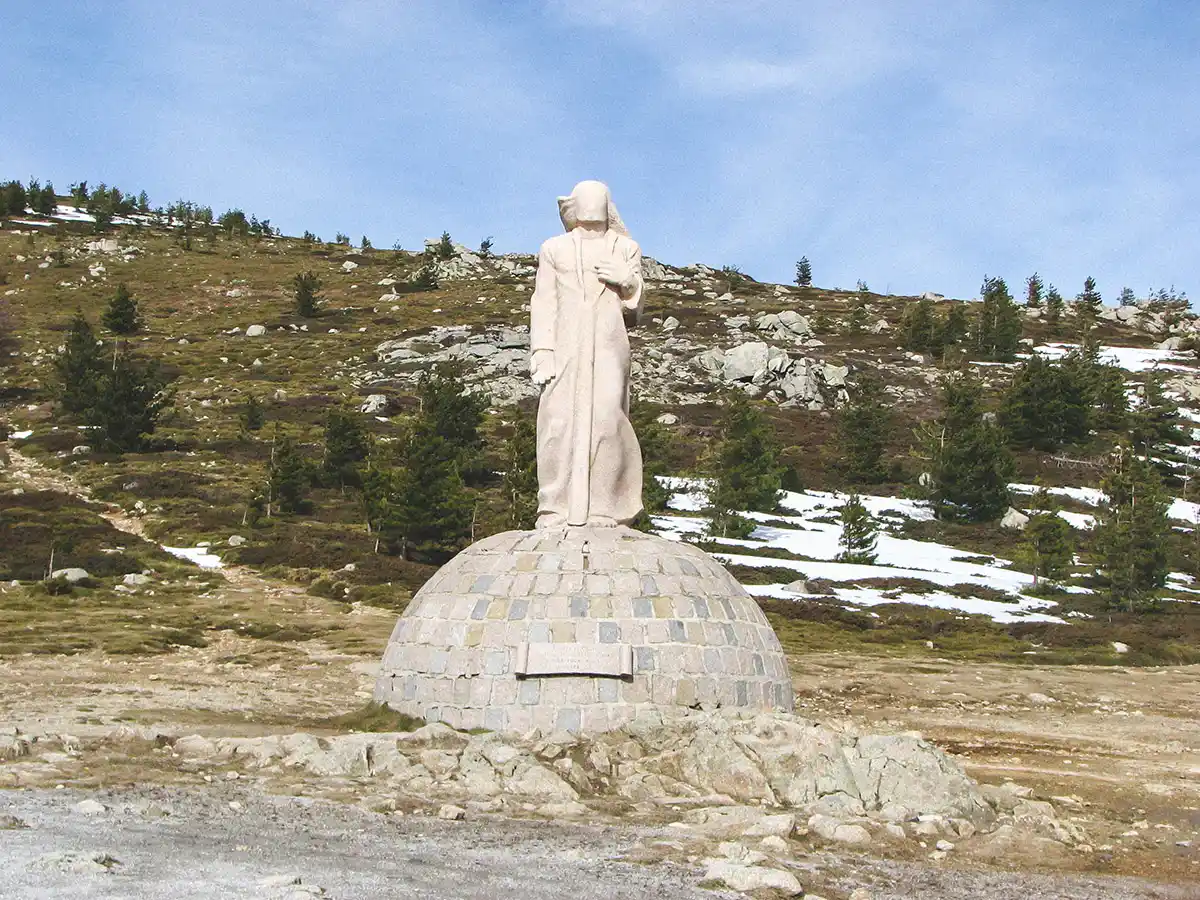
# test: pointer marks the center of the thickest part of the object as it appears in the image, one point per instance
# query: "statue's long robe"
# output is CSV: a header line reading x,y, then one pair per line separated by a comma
x,y
589,461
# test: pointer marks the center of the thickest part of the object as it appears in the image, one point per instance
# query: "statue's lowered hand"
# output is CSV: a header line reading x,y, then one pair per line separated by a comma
x,y
541,366
616,273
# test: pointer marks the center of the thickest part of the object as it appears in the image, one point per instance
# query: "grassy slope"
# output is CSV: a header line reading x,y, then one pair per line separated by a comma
x,y
198,482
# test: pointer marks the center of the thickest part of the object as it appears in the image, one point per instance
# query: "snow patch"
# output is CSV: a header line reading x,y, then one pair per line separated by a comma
x,y
198,555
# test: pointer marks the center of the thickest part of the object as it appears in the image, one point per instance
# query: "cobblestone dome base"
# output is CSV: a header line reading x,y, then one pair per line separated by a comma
x,y
661,624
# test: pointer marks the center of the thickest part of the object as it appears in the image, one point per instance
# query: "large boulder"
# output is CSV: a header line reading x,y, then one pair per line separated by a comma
x,y
743,362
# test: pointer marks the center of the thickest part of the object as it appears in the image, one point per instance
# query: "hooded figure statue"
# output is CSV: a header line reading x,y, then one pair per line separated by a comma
x,y
589,285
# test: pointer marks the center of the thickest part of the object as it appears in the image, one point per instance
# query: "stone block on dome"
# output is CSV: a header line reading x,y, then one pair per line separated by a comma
x,y
580,629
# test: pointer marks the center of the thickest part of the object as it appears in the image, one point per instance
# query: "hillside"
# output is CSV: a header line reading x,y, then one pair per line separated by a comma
x,y
219,315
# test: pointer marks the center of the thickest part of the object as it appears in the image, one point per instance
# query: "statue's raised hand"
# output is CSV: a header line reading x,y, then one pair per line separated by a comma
x,y
541,366
617,273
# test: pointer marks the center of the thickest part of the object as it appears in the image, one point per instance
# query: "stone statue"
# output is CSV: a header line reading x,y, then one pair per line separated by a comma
x,y
589,285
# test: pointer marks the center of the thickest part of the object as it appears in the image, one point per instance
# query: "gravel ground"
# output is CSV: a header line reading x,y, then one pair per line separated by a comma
x,y
184,843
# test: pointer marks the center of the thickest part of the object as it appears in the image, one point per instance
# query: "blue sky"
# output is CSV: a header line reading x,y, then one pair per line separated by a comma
x,y
913,145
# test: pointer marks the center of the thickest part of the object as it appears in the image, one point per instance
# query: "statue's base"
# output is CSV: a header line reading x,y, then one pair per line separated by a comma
x,y
579,629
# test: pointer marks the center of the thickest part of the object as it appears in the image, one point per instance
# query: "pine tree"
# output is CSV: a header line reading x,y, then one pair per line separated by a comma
x,y
863,428
445,247
78,367
44,200
1100,385
998,330
122,316
746,473
655,441
804,272
288,476
1033,291
347,444
952,330
1127,297
429,513
859,532
918,327
12,199
1156,419
520,473
485,247
130,398
970,462
1130,538
454,415
377,489
1045,406
305,287
1054,306
253,416
427,278
1047,546
1088,305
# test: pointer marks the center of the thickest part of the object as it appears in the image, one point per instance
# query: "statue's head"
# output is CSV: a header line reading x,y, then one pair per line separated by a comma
x,y
590,202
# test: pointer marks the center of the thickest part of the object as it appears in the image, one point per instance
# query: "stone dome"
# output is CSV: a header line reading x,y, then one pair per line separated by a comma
x,y
580,629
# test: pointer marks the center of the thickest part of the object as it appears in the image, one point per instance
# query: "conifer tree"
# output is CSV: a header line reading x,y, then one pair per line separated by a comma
x,y
130,398
430,510
305,286
12,199
970,462
804,272
859,533
347,444
655,442
1130,538
1047,546
445,246
427,278
377,489
1156,419
78,367
1033,291
1088,305
1101,386
1054,306
918,327
288,476
1046,406
253,416
952,329
998,330
454,415
520,473
1127,297
121,315
863,429
746,473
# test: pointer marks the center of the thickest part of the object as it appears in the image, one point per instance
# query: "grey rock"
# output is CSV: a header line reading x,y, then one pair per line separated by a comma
x,y
72,574
1014,519
743,362
744,878
135,579
452,813
89,807
256,331
374,404
236,540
